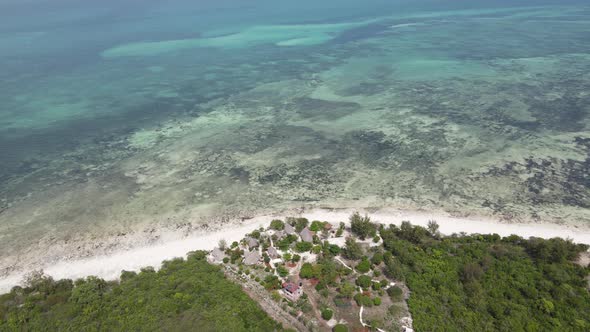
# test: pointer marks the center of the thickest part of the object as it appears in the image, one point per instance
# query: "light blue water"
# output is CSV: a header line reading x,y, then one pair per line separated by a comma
x,y
115,116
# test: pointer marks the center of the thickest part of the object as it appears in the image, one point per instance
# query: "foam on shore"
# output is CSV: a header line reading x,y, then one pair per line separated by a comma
x,y
110,267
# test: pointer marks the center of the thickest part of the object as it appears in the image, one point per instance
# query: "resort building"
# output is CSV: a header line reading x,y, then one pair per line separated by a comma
x,y
252,258
216,256
306,235
289,230
273,253
292,290
252,243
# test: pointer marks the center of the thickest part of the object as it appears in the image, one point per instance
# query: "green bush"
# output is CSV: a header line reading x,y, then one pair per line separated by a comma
x,y
277,225
395,293
377,301
362,226
340,328
327,314
303,246
364,266
364,281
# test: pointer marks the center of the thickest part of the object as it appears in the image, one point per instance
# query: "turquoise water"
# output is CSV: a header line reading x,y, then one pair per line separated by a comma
x,y
117,117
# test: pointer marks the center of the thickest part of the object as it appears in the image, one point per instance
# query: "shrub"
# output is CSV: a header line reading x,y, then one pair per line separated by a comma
x,y
364,266
395,293
277,225
364,281
377,258
303,246
340,328
327,314
316,226
282,271
362,226
377,301
352,250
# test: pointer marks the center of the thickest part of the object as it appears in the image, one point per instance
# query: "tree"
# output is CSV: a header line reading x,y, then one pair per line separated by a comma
x,y
316,226
471,272
300,224
395,293
377,258
277,225
282,271
433,227
222,244
352,250
346,289
340,328
362,226
364,281
364,266
303,246
327,314
306,271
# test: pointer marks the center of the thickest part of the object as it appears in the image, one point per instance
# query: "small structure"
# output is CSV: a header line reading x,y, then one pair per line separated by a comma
x,y
289,230
306,235
279,234
273,253
216,256
252,258
292,290
252,243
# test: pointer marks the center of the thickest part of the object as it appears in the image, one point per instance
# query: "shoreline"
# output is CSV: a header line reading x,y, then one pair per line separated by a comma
x,y
109,266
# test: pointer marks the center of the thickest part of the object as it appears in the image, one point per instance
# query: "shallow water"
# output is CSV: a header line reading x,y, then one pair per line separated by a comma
x,y
119,118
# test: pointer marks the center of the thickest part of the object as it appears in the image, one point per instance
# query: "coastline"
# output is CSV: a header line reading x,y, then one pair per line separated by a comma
x,y
109,266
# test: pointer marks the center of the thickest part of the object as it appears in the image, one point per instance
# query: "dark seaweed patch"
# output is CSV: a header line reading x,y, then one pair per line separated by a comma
x,y
318,108
563,114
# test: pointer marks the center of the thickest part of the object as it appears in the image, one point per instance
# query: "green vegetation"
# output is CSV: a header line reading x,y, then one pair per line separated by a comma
x,y
485,282
377,301
286,242
352,250
364,281
303,246
277,225
362,226
327,314
340,328
364,266
396,293
184,295
298,223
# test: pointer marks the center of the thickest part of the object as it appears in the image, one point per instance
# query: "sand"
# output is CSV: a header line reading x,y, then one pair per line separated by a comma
x,y
109,267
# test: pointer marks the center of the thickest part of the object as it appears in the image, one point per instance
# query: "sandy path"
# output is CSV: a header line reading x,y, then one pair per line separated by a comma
x,y
109,267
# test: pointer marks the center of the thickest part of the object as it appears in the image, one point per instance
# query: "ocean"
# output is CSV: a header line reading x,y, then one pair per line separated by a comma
x,y
119,119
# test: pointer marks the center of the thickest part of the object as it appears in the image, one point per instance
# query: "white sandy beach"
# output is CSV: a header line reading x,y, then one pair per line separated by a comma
x,y
109,267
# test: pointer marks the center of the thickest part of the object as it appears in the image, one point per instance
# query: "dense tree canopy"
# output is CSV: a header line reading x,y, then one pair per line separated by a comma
x,y
489,283
185,295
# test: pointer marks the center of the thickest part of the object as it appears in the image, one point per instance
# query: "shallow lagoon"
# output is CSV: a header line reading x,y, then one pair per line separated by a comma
x,y
128,120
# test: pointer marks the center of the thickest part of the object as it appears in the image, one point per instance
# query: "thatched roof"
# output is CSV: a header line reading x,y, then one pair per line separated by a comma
x,y
252,258
289,229
306,235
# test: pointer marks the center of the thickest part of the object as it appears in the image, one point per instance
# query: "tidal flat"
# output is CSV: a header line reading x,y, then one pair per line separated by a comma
x,y
112,143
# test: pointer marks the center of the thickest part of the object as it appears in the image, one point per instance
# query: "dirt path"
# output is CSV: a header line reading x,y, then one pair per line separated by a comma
x,y
262,297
